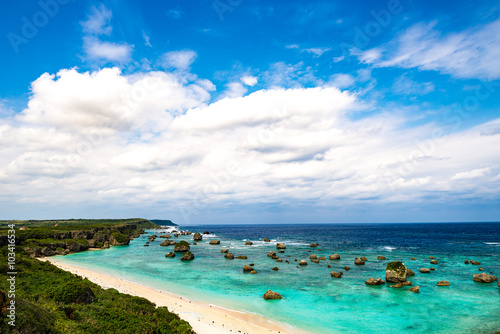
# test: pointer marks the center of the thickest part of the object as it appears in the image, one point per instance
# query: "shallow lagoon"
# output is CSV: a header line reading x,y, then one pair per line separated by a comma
x,y
312,299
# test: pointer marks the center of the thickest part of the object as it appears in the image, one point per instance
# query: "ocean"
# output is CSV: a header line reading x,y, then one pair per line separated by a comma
x,y
312,299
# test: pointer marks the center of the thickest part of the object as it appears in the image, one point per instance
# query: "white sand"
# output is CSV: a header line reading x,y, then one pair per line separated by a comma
x,y
204,318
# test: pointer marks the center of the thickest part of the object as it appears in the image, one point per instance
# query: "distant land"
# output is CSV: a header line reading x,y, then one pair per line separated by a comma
x,y
163,222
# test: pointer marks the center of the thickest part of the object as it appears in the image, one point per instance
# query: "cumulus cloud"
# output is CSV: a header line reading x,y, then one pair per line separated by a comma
x,y
98,23
180,60
249,80
98,50
472,53
155,138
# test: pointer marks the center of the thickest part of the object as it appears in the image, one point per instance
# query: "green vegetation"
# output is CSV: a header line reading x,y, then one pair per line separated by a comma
x,y
163,222
50,300
69,224
397,267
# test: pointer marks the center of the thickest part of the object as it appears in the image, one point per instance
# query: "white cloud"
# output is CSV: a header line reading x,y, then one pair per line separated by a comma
x,y
97,50
234,89
114,52
98,22
249,80
292,46
341,80
405,86
472,174
317,52
147,42
154,138
472,53
180,60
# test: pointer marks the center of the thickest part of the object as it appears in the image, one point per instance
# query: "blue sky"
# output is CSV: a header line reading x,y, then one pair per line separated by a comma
x,y
251,111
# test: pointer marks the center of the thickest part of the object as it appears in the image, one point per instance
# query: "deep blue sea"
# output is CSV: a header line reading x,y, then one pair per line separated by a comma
x,y
312,299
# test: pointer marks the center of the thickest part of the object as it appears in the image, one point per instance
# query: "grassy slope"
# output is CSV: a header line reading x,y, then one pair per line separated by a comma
x,y
45,300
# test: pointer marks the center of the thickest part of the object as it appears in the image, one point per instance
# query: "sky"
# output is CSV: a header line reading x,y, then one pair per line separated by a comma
x,y
239,111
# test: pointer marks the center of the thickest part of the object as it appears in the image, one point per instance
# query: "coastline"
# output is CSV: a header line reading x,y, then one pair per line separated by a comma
x,y
204,318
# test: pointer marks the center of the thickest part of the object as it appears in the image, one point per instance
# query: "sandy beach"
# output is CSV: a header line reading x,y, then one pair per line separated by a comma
x,y
204,318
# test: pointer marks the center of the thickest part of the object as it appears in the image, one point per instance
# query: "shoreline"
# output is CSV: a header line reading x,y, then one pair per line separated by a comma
x,y
204,318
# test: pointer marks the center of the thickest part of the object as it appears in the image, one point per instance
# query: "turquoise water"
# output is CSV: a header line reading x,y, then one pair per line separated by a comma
x,y
315,301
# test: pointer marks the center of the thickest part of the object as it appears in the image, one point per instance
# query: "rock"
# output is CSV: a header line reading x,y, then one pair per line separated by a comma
x,y
443,283
46,251
247,268
484,278
409,272
346,268
188,256
480,269
334,257
224,250
275,268
413,258
279,260
274,257
312,256
397,285
358,261
281,251
197,236
182,246
271,254
433,268
145,245
165,236
280,245
214,242
406,283
188,233
86,297
253,272
329,266
251,264
475,262
415,289
381,257
425,270
171,254
303,263
395,272
242,257
229,256
313,245
165,243
206,232
434,261
431,257
321,258
363,258
315,261
466,261
372,281
267,240
271,295
248,243
336,274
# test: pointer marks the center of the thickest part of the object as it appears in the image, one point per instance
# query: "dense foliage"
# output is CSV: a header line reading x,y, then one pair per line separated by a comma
x,y
51,300
47,302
